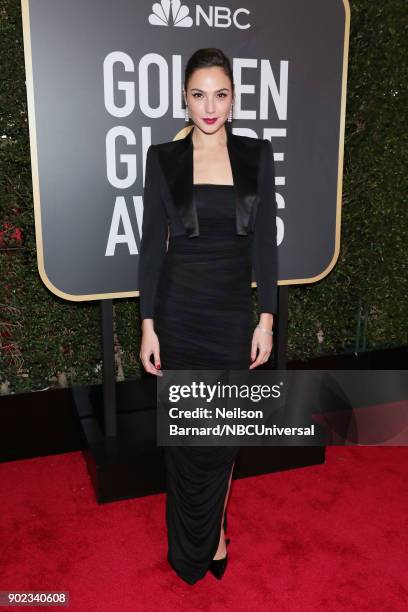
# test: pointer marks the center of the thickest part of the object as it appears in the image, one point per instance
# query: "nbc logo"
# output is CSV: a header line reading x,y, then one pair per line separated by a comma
x,y
160,14
173,13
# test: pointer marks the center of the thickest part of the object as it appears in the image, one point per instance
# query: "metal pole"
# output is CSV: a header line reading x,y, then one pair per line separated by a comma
x,y
281,331
108,370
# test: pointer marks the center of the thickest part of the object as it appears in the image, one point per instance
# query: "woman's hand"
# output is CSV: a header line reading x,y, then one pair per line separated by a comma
x,y
261,342
150,346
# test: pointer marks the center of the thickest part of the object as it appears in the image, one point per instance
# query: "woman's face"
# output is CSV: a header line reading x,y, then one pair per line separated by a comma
x,y
209,96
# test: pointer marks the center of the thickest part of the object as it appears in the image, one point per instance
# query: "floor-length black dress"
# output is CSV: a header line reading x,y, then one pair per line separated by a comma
x,y
203,320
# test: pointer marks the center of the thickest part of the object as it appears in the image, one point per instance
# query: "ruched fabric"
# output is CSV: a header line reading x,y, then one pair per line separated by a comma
x,y
203,319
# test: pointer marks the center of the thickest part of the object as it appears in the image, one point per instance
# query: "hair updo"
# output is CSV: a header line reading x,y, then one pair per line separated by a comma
x,y
206,58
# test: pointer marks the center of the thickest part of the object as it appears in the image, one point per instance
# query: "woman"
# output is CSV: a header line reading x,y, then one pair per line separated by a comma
x,y
212,196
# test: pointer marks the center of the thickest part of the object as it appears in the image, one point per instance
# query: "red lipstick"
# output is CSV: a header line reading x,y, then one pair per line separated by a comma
x,y
210,120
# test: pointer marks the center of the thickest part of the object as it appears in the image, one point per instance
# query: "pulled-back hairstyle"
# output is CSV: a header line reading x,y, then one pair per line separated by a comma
x,y
206,58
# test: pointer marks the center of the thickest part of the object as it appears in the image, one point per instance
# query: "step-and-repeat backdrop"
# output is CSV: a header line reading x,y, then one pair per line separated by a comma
x,y
104,80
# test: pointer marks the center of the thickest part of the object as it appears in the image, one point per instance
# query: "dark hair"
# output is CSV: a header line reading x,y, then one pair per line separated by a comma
x,y
206,58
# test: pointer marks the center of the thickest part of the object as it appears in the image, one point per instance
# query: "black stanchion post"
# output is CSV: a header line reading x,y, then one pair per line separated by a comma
x,y
108,370
281,330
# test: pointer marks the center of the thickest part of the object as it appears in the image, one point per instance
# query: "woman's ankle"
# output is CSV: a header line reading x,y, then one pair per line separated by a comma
x,y
222,548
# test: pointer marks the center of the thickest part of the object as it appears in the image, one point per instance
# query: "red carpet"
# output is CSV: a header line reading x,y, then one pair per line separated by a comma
x,y
329,537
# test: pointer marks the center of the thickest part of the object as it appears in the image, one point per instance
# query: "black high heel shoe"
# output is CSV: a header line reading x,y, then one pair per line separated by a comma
x,y
218,566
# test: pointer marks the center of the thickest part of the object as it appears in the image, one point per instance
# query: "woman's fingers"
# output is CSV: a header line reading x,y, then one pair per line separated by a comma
x,y
156,353
258,361
263,357
253,349
259,342
152,369
150,347
149,366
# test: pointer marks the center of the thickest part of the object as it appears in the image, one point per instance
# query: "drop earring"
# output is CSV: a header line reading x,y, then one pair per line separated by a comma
x,y
187,115
230,114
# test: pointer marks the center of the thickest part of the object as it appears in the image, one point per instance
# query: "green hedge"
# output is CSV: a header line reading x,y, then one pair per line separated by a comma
x,y
361,305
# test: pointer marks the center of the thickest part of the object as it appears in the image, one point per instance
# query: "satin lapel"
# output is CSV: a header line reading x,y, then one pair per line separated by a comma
x,y
177,166
244,164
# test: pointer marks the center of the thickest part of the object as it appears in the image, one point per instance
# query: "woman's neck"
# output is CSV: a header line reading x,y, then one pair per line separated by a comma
x,y
201,140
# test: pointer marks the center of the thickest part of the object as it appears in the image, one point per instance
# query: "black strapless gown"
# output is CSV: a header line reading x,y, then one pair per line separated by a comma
x,y
203,320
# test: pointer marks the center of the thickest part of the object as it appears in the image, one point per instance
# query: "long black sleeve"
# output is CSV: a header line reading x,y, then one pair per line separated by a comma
x,y
154,236
265,253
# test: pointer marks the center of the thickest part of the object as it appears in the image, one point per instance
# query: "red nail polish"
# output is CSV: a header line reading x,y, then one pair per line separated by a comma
x,y
158,366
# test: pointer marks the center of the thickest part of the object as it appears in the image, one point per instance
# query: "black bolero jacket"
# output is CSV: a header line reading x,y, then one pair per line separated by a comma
x,y
168,207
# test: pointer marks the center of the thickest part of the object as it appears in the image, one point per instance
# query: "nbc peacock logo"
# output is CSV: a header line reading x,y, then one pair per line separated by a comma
x,y
170,12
